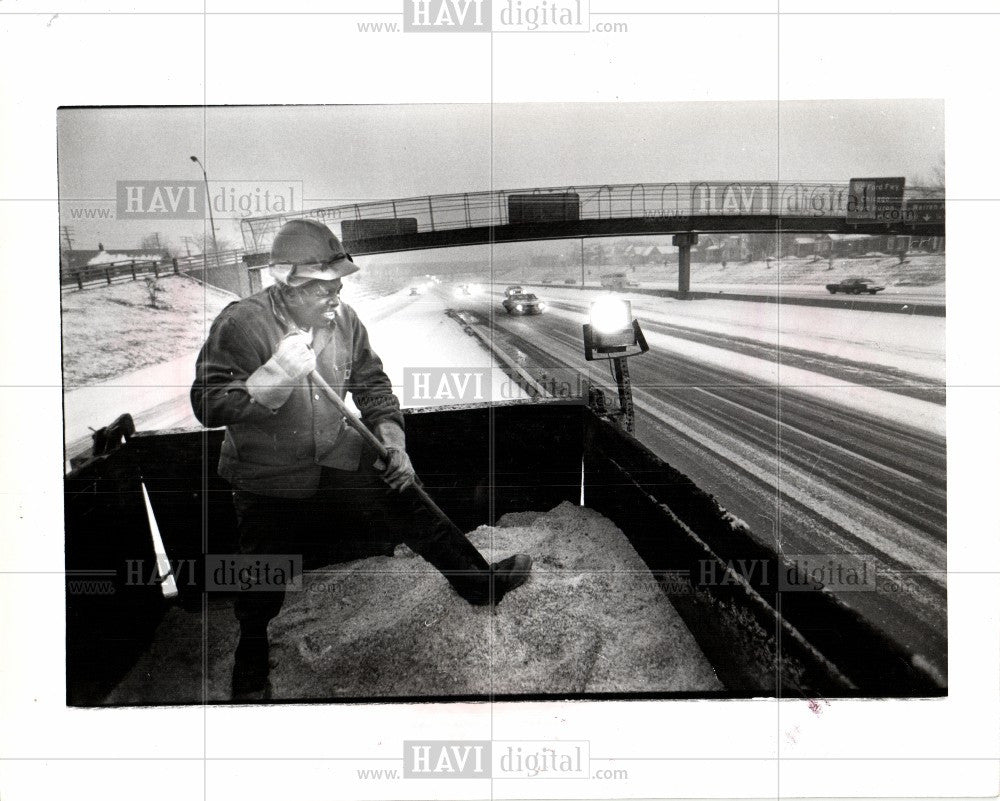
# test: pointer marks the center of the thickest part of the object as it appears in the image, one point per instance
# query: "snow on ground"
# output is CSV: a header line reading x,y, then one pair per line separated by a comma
x,y
155,396
914,343
920,272
109,330
110,258
590,619
926,294
413,334
112,330
868,400
122,356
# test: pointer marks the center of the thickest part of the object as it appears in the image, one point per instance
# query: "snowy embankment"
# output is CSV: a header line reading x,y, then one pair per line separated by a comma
x,y
113,330
122,356
915,344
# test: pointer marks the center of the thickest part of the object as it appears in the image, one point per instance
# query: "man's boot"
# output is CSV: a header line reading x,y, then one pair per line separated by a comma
x,y
251,665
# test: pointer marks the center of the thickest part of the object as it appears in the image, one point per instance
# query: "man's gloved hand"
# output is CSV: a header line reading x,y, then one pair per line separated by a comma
x,y
271,384
294,355
398,473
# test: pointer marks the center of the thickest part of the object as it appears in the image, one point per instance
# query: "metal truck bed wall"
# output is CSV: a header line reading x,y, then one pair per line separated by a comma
x,y
478,462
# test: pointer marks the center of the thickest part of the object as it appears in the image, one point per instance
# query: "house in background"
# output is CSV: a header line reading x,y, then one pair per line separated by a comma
x,y
803,246
649,254
721,248
71,260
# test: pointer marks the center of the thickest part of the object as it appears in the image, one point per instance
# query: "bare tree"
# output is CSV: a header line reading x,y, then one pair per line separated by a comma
x,y
154,290
206,244
761,246
151,242
933,178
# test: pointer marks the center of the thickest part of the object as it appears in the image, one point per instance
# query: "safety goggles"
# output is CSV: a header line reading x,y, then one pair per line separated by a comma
x,y
320,290
295,275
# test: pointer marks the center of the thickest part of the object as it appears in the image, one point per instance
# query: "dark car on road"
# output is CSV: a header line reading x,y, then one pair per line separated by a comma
x,y
855,286
524,303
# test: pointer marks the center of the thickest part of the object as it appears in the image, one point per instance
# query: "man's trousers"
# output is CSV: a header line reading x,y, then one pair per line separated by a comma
x,y
353,514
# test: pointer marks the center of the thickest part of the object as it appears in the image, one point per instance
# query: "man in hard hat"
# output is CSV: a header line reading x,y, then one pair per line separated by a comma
x,y
303,481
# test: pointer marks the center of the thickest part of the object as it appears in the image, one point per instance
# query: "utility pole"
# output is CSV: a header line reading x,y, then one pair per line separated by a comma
x,y
583,275
187,243
67,234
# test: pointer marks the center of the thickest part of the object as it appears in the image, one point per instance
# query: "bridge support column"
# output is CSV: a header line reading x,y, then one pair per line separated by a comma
x,y
683,244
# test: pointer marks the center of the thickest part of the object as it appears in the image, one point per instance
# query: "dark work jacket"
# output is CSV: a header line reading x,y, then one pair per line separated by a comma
x,y
281,452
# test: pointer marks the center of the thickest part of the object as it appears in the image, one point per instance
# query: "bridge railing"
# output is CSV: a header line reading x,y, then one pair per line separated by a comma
x,y
553,204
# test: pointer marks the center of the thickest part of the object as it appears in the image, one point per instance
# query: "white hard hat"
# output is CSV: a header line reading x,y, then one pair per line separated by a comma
x,y
306,250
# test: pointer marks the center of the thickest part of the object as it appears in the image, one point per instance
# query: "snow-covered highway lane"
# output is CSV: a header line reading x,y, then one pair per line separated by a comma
x,y
832,446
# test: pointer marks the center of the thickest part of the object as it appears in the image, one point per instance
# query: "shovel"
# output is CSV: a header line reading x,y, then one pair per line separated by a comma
x,y
375,442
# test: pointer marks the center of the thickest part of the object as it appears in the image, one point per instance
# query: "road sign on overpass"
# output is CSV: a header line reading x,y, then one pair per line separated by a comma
x,y
925,211
875,199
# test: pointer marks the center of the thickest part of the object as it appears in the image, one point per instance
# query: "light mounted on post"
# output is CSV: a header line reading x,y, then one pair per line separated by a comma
x,y
616,335
612,330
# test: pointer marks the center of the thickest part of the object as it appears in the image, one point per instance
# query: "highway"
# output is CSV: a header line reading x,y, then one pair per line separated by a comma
x,y
915,296
906,300
807,475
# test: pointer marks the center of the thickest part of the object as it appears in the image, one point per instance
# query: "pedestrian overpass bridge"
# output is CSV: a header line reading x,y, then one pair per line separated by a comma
x,y
683,209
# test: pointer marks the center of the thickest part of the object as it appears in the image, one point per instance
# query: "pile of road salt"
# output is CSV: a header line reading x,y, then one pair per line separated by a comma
x,y
590,619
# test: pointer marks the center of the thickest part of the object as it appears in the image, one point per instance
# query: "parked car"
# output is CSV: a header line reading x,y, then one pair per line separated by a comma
x,y
524,303
514,289
855,286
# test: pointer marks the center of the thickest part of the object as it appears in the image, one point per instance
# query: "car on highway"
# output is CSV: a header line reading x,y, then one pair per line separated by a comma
x,y
513,290
524,303
617,281
855,286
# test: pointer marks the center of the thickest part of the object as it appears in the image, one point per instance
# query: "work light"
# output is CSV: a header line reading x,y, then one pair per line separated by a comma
x,y
612,330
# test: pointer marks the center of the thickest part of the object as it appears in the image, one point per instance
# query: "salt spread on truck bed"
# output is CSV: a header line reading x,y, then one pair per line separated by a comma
x,y
523,456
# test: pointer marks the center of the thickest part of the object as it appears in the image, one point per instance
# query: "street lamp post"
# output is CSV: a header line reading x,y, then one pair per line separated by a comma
x,y
208,203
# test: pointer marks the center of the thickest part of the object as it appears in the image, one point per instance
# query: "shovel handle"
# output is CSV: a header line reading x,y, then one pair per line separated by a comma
x,y
349,416
376,443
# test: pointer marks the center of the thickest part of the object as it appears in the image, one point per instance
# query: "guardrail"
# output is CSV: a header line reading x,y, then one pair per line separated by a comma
x,y
203,260
105,274
495,208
